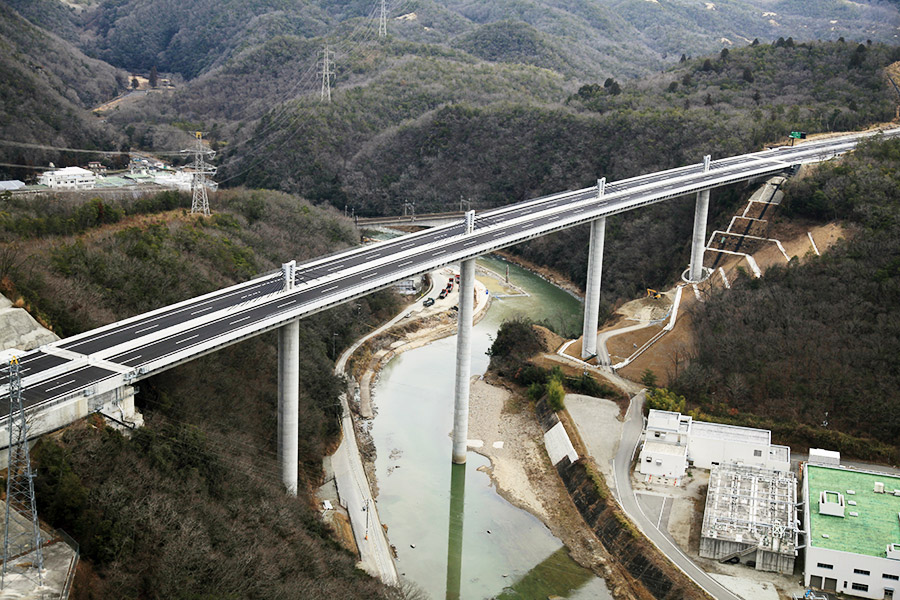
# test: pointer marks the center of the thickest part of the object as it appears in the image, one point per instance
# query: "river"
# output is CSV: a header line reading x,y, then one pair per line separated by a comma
x,y
455,536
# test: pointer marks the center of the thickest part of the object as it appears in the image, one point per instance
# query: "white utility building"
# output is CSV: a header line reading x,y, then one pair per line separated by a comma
x,y
70,178
673,441
851,518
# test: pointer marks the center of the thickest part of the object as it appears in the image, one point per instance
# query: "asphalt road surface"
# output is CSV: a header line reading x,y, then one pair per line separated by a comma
x,y
130,350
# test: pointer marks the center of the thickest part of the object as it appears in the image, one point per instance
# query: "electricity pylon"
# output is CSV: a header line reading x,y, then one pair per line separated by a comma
x,y
382,22
22,552
199,182
326,71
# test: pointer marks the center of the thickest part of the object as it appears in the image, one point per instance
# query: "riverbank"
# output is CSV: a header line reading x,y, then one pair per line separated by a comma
x,y
501,428
505,431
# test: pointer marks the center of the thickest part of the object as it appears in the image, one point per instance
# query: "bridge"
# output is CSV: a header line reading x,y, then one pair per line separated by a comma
x,y
423,220
95,370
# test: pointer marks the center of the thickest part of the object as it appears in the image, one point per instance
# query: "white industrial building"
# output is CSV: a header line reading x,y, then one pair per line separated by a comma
x,y
851,517
673,441
70,178
751,517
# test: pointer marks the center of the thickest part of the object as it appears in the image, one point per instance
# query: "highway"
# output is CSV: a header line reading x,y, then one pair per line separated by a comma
x,y
133,349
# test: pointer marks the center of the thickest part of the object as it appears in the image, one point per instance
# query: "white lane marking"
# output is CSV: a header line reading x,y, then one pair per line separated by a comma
x,y
554,217
287,304
578,210
334,287
472,242
239,320
196,335
407,246
202,310
373,274
436,252
661,510
338,266
409,262
146,329
56,387
376,255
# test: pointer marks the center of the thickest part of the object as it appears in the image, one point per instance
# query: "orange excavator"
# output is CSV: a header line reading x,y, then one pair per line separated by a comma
x,y
653,294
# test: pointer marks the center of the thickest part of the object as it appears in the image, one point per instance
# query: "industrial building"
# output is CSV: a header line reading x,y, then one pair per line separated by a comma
x,y
673,441
751,517
854,537
69,178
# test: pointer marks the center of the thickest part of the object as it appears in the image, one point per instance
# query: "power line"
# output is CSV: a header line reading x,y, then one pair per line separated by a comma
x,y
199,183
327,73
84,150
20,539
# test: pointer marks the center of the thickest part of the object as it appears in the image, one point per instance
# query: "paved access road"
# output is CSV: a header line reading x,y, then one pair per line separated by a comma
x,y
631,435
135,348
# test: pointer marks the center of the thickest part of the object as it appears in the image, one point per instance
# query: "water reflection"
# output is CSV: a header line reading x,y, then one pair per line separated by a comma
x,y
556,575
498,551
455,533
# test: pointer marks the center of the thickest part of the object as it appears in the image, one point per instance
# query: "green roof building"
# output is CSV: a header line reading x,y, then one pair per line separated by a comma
x,y
853,523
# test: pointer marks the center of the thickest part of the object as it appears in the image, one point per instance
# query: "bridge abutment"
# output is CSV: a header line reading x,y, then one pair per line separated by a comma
x,y
463,359
592,291
289,403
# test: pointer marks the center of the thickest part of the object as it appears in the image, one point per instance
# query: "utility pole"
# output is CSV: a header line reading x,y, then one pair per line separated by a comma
x,y
382,22
199,182
21,538
326,72
412,208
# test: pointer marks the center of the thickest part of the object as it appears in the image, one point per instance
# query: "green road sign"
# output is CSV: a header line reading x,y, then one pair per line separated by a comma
x,y
800,135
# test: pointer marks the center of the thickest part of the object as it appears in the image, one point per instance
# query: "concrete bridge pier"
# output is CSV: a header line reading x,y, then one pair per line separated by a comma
x,y
698,242
463,359
289,403
592,290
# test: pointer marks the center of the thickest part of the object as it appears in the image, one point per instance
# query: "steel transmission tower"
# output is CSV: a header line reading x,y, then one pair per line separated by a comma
x,y
199,183
23,533
382,22
326,71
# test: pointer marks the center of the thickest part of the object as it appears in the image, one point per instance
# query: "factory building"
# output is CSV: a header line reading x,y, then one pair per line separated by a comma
x,y
673,441
854,539
70,178
751,517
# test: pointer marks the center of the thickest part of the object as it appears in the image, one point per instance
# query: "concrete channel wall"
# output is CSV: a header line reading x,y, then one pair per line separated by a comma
x,y
650,572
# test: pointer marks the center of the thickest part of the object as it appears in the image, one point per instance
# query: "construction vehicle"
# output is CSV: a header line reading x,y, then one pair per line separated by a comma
x,y
653,294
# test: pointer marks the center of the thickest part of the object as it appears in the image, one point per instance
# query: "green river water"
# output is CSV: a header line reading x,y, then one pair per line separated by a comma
x,y
469,543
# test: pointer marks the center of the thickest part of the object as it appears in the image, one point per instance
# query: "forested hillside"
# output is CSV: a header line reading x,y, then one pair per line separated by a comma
x,y
45,86
498,133
619,37
191,505
817,343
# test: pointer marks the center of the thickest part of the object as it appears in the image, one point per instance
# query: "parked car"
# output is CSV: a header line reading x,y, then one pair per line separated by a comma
x,y
443,294
428,302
